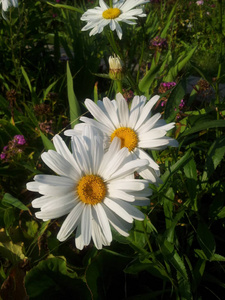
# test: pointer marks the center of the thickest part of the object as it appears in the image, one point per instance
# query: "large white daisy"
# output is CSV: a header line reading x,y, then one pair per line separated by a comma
x,y
94,188
103,15
135,126
6,4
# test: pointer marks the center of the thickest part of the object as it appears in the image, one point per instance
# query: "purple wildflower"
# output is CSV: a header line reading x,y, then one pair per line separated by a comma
x,y
20,139
2,156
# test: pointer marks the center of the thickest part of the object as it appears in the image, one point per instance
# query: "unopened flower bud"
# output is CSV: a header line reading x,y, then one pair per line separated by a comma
x,y
115,68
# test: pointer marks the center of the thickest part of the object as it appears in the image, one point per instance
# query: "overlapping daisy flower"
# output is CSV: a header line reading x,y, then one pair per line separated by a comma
x,y
6,4
136,127
103,15
94,188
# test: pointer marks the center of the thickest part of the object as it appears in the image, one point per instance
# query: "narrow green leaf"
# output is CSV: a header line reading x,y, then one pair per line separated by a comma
x,y
168,22
148,79
73,102
10,200
173,72
206,240
190,172
45,93
172,105
213,158
168,205
66,7
204,126
174,168
46,142
27,79
172,257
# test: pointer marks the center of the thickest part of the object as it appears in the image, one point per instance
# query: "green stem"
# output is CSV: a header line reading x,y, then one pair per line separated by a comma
x,y
148,242
111,3
221,54
115,48
119,88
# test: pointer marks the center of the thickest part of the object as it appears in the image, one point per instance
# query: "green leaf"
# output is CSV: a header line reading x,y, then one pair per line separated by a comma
x,y
10,200
46,142
204,126
66,7
9,129
206,240
168,205
179,65
13,252
73,102
105,274
173,258
174,168
147,80
45,93
213,158
190,172
172,105
53,279
27,79
157,270
32,228
164,32
9,217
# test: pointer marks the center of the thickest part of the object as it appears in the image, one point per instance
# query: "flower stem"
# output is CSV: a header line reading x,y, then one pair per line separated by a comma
x,y
148,242
119,88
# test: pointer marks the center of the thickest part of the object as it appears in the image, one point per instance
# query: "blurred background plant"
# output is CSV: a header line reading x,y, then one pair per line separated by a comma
x,y
47,69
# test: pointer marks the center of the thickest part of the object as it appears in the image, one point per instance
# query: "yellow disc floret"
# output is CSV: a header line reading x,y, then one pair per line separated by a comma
x,y
111,13
127,136
91,189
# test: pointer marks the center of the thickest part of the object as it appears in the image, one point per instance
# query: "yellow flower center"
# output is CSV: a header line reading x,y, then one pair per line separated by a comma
x,y
111,13
91,189
127,136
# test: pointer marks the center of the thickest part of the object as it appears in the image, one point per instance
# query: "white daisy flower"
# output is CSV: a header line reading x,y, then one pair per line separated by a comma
x,y
135,126
95,189
6,4
103,15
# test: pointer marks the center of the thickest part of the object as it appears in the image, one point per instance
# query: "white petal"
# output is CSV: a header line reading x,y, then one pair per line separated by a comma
x,y
86,224
146,111
54,180
103,221
115,163
119,224
71,222
117,194
98,114
59,164
129,168
117,209
123,110
143,155
131,210
79,242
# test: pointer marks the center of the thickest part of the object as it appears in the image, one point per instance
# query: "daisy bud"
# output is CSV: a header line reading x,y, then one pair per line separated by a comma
x,y
115,68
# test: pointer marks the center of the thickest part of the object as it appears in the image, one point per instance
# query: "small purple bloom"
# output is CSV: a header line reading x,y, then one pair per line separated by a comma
x,y
20,139
2,156
182,104
200,2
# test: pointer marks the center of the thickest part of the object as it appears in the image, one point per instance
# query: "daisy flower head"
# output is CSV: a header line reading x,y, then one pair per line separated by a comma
x,y
6,4
136,127
95,189
103,15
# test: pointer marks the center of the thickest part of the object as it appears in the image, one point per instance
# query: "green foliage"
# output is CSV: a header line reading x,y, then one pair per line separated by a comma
x,y
48,67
